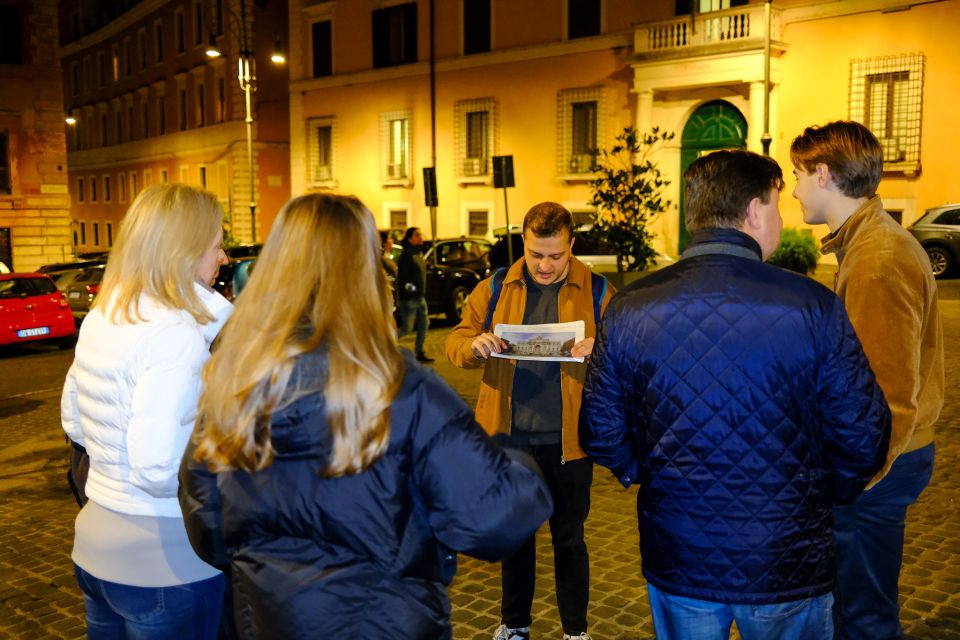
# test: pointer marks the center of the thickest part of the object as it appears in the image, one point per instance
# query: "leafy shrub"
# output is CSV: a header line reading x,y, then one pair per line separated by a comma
x,y
798,251
628,195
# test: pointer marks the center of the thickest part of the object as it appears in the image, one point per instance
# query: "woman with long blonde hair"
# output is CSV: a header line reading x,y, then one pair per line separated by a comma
x,y
130,398
333,476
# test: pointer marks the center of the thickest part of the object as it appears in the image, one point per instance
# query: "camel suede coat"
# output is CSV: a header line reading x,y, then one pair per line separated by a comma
x,y
887,286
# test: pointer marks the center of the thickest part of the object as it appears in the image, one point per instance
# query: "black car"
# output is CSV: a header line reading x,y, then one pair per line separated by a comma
x,y
64,273
232,277
460,265
243,251
938,231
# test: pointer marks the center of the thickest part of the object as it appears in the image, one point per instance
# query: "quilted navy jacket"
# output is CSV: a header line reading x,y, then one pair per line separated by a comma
x,y
738,397
368,555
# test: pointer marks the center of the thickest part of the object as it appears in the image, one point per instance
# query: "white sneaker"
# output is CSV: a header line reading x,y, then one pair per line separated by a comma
x,y
504,632
582,636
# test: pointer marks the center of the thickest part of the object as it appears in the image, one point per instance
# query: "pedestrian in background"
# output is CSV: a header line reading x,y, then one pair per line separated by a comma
x,y
538,403
130,398
886,283
737,396
332,477
412,290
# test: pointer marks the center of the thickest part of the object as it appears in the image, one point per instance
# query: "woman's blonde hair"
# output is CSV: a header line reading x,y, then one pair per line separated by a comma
x,y
159,245
318,285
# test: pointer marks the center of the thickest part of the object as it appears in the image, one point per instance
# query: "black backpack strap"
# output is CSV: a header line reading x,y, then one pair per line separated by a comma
x,y
496,284
599,291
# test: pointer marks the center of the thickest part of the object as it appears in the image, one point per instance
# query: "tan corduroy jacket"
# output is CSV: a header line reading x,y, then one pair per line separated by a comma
x,y
494,409
887,286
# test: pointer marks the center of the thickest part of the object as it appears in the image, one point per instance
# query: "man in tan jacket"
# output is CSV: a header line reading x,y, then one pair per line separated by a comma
x,y
887,285
537,403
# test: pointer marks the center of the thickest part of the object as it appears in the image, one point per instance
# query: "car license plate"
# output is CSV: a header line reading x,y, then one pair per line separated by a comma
x,y
73,295
29,333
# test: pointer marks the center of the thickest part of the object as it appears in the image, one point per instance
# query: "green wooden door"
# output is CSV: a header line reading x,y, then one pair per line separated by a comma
x,y
714,125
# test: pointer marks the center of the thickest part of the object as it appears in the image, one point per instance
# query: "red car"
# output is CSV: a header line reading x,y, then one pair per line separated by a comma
x,y
31,308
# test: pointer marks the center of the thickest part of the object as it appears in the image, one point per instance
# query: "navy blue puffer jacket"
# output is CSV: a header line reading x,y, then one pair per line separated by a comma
x,y
738,397
368,555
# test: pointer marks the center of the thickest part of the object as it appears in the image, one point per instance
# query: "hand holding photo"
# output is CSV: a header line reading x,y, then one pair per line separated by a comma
x,y
540,341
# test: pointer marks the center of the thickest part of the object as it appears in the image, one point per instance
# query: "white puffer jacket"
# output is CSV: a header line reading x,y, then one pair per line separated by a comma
x,y
131,399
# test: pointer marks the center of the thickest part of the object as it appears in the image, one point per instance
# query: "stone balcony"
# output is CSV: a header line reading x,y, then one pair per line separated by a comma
x,y
738,29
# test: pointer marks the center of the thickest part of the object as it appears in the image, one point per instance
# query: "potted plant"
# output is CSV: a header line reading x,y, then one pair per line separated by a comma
x,y
628,194
798,251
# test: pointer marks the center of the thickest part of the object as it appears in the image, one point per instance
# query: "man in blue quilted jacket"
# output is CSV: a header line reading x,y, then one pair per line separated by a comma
x,y
737,396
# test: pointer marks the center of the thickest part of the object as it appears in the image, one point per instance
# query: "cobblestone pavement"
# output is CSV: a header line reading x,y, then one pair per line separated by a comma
x,y
39,598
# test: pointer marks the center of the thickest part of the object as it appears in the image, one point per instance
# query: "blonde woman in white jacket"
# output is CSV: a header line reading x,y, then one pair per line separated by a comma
x,y
131,398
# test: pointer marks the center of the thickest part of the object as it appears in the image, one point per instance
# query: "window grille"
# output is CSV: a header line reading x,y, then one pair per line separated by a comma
x,y
580,129
321,150
395,145
478,222
476,131
398,219
886,95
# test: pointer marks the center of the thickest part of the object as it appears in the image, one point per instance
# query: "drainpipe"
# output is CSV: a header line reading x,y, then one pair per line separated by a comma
x,y
433,127
766,138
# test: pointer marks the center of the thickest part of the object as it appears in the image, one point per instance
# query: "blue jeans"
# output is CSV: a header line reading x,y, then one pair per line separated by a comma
x,y
868,536
411,309
184,612
679,618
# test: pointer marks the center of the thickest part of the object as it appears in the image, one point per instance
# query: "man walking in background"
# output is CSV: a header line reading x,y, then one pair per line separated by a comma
x,y
886,283
537,403
737,396
412,290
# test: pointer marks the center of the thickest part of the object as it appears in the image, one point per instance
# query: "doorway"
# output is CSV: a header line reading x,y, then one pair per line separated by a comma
x,y
714,125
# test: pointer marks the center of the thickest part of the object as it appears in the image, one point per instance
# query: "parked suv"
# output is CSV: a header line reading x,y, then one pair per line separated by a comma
x,y
461,263
938,231
588,248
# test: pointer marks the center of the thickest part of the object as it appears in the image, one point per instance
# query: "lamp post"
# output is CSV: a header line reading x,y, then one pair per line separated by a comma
x,y
246,75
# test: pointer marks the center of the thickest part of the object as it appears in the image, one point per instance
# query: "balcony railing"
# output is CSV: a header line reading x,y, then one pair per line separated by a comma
x,y
741,26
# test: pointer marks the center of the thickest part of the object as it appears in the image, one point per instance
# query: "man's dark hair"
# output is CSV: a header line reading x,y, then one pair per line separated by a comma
x,y
548,219
851,152
719,186
407,235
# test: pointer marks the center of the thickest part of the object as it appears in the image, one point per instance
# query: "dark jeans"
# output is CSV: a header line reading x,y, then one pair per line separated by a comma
x,y
869,544
569,485
184,612
410,310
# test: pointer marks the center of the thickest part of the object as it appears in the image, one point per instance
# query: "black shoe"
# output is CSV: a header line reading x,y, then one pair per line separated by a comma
x,y
422,357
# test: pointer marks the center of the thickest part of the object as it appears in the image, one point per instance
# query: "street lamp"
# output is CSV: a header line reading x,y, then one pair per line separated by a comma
x,y
247,78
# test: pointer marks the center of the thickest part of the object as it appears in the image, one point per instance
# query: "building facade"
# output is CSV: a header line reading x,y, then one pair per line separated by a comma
x,y
550,82
34,205
151,106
